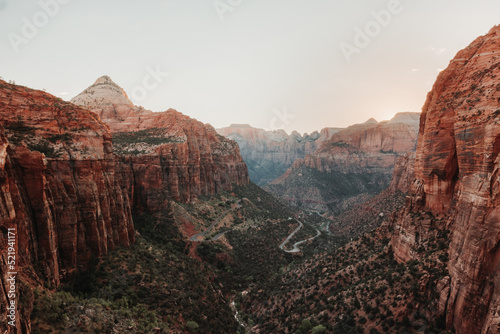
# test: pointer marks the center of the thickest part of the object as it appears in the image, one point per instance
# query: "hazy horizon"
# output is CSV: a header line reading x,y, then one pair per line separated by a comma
x,y
290,64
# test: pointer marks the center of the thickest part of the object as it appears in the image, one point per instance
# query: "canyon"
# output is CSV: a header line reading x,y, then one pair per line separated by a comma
x,y
268,154
434,264
70,184
456,185
102,191
353,165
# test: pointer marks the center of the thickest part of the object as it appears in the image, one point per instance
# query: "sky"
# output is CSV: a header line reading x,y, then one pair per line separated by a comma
x,y
291,64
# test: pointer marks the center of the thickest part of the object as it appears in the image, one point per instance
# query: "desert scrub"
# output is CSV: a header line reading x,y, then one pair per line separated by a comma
x,y
153,136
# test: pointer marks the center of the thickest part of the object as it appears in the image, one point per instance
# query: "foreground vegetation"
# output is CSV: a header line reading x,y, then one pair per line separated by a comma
x,y
165,283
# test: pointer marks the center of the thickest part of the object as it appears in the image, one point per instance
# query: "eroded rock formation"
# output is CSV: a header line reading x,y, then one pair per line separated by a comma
x,y
268,154
69,183
456,186
60,190
164,155
351,166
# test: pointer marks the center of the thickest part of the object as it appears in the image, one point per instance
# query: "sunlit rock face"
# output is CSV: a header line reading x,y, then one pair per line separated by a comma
x,y
353,165
165,155
60,190
457,178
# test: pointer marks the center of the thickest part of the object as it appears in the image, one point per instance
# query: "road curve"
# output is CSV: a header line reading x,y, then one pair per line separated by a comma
x,y
282,245
295,245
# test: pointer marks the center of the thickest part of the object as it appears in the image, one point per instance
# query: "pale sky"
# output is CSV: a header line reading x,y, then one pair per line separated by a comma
x,y
264,59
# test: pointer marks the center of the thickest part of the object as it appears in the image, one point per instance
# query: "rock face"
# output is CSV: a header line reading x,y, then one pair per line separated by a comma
x,y
268,154
354,164
60,190
165,155
403,174
70,197
457,180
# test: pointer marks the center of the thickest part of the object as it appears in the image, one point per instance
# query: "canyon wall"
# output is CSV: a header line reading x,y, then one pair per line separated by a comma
x,y
164,155
403,174
70,182
353,165
457,183
268,154
60,191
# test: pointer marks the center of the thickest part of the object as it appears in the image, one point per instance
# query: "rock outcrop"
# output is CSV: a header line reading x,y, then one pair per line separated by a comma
x,y
60,191
353,165
69,182
164,155
457,183
403,174
268,154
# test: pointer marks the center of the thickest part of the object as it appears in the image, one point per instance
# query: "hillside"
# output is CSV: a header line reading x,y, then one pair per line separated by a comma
x,y
353,165
268,154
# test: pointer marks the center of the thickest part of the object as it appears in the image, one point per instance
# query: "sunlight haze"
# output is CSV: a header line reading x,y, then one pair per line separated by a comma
x,y
251,62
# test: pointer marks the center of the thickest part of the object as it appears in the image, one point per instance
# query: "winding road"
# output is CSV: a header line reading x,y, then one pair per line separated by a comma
x,y
295,245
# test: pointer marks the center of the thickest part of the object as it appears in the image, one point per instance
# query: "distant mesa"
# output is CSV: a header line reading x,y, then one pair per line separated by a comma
x,y
406,117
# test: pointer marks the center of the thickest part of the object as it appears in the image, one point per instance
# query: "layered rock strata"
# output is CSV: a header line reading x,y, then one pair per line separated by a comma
x,y
353,165
60,190
164,155
268,154
457,181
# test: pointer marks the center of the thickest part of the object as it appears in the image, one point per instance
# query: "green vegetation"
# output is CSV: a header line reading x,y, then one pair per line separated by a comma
x,y
334,185
266,206
357,287
20,126
65,138
305,326
192,326
44,147
123,141
60,311
340,144
165,283
319,329
153,283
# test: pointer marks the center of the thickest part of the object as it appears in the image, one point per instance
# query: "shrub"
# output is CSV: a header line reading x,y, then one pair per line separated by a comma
x,y
319,329
306,325
192,326
44,147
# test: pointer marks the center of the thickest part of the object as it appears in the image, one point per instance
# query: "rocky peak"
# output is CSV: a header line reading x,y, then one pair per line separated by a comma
x,y
240,126
354,163
411,118
104,91
105,79
108,100
198,160
371,121
269,153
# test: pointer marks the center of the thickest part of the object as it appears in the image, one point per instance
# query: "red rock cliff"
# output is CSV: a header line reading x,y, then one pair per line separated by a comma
x,y
60,189
355,163
457,173
403,174
165,155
